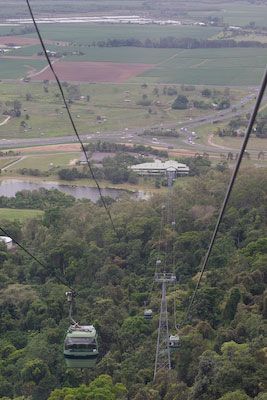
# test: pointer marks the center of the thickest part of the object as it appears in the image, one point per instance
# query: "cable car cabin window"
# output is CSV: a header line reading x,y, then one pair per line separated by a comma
x,y
80,344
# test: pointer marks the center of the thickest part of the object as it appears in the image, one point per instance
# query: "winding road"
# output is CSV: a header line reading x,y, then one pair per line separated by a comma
x,y
133,135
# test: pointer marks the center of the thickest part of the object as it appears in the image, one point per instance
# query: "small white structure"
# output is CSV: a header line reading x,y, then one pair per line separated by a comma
x,y
7,240
160,168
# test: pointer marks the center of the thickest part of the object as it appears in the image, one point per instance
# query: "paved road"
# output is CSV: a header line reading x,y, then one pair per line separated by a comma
x,y
133,135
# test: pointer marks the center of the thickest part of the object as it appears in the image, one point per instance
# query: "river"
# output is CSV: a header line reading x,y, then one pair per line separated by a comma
x,y
9,187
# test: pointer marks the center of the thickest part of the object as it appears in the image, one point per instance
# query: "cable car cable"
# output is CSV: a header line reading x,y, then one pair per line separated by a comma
x,y
35,258
229,189
71,119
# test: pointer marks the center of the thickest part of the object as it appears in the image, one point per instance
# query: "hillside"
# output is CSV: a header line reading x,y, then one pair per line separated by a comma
x,y
222,348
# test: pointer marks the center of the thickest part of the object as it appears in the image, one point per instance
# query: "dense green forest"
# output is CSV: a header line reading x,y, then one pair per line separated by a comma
x,y
223,350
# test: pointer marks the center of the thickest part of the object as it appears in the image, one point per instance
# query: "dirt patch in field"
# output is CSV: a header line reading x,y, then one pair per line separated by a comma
x,y
94,71
71,147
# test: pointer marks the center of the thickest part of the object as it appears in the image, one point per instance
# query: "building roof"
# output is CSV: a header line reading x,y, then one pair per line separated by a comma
x,y
159,165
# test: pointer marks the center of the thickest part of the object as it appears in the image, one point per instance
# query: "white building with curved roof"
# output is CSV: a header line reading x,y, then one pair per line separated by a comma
x,y
159,167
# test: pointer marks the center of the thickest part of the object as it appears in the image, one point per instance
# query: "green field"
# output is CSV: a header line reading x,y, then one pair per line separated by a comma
x,y
234,66
237,13
125,55
15,69
46,162
48,118
19,214
212,67
86,33
6,161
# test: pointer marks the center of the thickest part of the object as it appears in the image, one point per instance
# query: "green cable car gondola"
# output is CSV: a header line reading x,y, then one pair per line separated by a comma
x,y
80,346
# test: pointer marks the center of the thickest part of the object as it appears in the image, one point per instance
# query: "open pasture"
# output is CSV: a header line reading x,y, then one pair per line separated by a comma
x,y
46,162
17,69
19,214
116,104
231,67
235,13
84,33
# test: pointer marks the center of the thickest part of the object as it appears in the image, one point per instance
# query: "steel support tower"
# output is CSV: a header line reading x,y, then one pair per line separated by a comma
x,y
163,359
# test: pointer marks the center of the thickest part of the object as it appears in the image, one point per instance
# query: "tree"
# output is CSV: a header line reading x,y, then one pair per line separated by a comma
x,y
28,97
101,388
17,108
237,395
206,92
34,371
231,305
74,92
180,103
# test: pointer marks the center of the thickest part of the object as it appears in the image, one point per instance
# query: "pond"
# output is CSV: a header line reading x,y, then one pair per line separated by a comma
x,y
9,187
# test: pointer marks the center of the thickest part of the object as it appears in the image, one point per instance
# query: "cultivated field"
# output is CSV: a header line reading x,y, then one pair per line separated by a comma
x,y
17,69
237,13
212,66
233,67
87,33
93,72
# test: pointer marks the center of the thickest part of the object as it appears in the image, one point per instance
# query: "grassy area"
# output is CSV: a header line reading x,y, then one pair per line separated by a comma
x,y
257,38
234,66
16,69
236,13
87,33
19,214
45,162
125,55
6,161
48,118
235,142
213,67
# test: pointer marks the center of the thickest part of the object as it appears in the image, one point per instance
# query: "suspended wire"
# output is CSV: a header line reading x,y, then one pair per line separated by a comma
x,y
229,189
71,119
35,258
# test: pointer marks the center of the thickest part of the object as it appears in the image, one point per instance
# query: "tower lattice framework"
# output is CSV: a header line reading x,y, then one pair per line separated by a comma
x,y
163,359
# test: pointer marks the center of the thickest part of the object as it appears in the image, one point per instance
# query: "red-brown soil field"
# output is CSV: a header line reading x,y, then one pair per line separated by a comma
x,y
93,71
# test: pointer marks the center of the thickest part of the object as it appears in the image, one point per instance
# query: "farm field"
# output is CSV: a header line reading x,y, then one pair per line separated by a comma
x,y
16,69
93,72
236,13
87,33
212,67
233,67
19,214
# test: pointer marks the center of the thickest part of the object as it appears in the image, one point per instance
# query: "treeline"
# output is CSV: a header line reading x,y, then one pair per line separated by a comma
x,y
171,42
37,199
237,127
172,132
117,147
114,169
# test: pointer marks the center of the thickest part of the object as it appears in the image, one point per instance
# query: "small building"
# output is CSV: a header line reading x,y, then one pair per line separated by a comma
x,y
160,168
8,241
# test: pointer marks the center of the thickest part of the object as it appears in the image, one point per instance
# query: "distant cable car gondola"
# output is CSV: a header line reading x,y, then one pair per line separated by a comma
x,y
174,341
80,346
148,314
